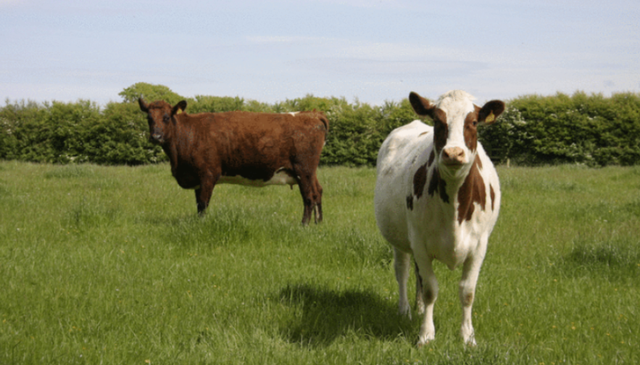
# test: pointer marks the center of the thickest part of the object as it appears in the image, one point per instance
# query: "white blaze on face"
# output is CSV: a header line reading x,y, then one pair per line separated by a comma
x,y
457,105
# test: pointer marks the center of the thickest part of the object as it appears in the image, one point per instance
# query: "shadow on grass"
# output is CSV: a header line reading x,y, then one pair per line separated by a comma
x,y
325,315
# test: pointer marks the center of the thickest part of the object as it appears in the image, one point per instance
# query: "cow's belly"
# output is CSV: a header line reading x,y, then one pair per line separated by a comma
x,y
394,182
279,178
438,235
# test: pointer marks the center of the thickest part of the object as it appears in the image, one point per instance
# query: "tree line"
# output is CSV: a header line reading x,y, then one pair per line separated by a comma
x,y
534,130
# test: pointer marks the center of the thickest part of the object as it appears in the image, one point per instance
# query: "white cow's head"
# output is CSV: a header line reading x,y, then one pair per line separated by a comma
x,y
455,119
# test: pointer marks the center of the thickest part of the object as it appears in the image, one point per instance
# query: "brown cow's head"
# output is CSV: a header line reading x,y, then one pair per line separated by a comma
x,y
161,117
455,120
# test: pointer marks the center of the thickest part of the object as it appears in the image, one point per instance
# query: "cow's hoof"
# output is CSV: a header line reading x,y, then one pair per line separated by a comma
x,y
425,341
405,311
471,342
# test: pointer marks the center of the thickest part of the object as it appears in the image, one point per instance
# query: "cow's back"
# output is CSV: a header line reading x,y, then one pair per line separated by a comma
x,y
398,154
260,141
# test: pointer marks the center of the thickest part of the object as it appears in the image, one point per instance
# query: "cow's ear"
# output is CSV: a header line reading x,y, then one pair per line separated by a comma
x,y
180,107
143,105
421,105
490,111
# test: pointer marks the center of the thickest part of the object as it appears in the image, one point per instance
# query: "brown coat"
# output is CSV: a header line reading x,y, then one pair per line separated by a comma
x,y
256,149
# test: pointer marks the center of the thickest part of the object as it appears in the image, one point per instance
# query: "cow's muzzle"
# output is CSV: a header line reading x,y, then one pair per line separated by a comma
x,y
156,138
453,156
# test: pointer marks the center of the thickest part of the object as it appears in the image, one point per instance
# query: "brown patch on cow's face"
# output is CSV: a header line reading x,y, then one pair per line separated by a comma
x,y
493,197
470,130
437,184
423,107
419,181
472,191
441,130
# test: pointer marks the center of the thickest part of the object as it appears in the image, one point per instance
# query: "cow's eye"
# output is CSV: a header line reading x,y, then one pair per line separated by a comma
x,y
475,123
166,118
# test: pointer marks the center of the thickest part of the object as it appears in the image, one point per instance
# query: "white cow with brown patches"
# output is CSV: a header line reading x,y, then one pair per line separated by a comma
x,y
437,197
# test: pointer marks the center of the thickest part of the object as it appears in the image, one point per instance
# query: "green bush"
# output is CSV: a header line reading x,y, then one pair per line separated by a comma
x,y
121,137
584,129
52,133
150,93
534,130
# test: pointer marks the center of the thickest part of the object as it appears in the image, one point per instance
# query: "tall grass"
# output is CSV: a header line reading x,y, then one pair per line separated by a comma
x,y
112,265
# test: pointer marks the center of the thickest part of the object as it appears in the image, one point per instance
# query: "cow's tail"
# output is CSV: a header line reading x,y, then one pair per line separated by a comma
x,y
325,121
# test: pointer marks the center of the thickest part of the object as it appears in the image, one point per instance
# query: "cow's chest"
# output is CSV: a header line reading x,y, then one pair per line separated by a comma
x,y
187,178
436,233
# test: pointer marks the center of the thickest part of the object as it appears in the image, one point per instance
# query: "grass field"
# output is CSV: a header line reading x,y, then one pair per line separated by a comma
x,y
111,265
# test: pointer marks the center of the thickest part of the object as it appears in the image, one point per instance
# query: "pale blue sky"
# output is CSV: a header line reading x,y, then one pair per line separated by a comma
x,y
275,50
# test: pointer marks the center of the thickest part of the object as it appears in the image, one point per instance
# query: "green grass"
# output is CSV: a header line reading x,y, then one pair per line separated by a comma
x,y
112,265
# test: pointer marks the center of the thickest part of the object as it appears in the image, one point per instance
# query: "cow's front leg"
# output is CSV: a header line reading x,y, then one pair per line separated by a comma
x,y
429,296
467,290
203,193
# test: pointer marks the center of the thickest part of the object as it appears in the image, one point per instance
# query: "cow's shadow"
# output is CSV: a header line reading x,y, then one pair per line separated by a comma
x,y
322,315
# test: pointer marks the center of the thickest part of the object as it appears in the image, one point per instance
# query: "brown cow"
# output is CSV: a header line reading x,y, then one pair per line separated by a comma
x,y
256,149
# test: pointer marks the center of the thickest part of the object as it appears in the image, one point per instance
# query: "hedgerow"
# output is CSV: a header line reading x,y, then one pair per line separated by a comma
x,y
583,129
534,130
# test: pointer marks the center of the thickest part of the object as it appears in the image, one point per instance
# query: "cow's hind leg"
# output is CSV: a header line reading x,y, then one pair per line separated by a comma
x,y
317,212
401,265
311,192
419,295
306,184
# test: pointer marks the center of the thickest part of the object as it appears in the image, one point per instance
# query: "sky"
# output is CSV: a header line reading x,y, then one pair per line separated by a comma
x,y
270,51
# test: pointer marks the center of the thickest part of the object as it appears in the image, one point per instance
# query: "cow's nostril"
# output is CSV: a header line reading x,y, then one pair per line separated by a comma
x,y
453,154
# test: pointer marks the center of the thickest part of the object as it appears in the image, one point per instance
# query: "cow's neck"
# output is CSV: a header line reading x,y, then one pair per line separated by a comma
x,y
470,192
171,151
182,138
446,185
458,192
